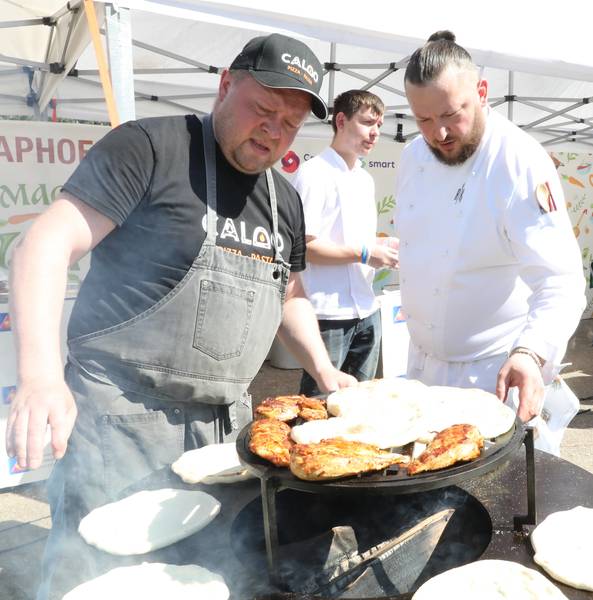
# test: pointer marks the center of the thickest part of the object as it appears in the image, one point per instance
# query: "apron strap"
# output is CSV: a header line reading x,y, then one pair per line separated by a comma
x,y
274,207
210,162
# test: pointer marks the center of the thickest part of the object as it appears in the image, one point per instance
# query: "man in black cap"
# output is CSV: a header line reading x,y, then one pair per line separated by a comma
x,y
197,248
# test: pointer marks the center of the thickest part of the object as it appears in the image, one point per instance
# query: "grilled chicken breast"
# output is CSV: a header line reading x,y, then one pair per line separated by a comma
x,y
282,408
270,439
454,444
330,459
312,409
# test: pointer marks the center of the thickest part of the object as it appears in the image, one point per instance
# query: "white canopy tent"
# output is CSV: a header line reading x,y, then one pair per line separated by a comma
x,y
536,56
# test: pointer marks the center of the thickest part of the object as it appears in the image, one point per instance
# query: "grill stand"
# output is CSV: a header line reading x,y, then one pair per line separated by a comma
x,y
271,485
531,517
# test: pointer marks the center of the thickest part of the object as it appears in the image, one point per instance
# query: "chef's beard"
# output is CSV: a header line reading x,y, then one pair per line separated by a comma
x,y
468,148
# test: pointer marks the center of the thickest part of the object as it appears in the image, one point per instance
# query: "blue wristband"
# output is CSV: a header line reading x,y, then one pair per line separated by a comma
x,y
364,255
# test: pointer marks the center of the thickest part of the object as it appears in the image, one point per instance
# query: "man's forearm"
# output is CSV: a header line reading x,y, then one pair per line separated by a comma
x,y
323,252
299,332
37,287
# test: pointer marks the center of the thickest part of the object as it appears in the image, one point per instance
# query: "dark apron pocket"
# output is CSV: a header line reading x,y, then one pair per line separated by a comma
x,y
223,319
136,445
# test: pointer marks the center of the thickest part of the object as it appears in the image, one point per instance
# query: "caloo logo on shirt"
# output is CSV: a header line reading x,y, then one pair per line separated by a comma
x,y
245,236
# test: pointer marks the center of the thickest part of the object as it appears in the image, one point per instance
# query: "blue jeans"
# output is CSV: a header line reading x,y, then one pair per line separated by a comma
x,y
353,347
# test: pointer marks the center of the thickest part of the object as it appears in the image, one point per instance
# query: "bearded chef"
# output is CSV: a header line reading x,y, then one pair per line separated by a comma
x,y
491,275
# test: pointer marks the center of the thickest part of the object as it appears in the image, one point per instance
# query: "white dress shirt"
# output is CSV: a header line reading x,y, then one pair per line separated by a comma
x,y
339,207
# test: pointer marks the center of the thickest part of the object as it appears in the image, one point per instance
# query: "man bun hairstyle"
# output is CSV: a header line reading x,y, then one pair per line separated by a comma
x,y
439,52
352,101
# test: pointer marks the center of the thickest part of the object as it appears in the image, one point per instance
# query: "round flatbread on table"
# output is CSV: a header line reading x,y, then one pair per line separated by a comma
x,y
153,581
489,580
148,520
215,463
563,545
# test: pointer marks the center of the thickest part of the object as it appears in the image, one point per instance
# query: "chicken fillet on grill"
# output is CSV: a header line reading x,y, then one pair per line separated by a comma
x,y
454,444
333,458
270,439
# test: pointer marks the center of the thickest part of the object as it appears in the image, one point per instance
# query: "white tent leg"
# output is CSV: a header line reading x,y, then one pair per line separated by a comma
x,y
119,50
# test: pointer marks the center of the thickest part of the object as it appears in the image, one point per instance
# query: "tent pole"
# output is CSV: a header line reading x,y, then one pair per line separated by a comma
x,y
91,16
511,94
332,76
119,48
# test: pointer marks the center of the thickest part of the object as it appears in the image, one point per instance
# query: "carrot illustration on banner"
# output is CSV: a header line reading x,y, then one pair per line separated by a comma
x,y
573,180
18,219
576,228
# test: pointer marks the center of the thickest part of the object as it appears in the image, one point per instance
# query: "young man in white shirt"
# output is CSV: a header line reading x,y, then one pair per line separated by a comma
x,y
343,250
491,275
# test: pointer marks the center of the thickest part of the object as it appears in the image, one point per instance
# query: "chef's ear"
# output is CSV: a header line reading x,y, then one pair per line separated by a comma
x,y
340,119
483,92
224,84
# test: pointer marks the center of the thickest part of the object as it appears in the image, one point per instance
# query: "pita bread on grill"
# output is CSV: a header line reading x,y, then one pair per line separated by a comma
x,y
148,520
489,580
448,406
153,581
374,396
563,544
216,463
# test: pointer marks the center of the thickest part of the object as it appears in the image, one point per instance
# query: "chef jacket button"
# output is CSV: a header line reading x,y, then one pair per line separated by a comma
x,y
410,205
403,280
205,284
406,244
176,411
276,274
446,253
429,326
105,418
421,169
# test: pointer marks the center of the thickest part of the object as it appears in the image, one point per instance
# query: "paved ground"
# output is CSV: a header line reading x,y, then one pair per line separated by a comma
x,y
24,514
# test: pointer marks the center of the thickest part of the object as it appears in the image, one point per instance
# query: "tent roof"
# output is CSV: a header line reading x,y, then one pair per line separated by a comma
x,y
533,55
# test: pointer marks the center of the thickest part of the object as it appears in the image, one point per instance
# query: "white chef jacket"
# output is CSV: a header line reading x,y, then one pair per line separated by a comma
x,y
482,268
339,206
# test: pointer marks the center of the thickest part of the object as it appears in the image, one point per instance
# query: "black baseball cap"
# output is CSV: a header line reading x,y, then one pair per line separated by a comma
x,y
278,61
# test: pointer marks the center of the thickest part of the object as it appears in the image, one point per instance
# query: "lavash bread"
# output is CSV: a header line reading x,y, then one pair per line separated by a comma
x,y
148,520
216,463
563,545
153,581
489,580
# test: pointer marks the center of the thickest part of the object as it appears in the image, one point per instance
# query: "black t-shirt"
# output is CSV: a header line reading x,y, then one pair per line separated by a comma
x,y
148,177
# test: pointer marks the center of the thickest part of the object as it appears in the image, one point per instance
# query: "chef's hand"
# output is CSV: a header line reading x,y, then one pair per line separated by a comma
x,y
35,405
520,370
385,253
334,379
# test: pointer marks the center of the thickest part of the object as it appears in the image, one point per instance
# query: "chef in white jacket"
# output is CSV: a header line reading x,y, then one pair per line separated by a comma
x,y
491,274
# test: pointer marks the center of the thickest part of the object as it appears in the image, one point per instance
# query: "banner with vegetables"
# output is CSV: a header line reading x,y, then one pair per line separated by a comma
x,y
35,160
576,174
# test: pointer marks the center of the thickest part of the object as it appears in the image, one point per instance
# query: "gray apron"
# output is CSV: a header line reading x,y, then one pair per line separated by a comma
x,y
171,379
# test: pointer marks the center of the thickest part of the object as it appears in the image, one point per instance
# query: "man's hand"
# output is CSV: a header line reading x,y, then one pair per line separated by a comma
x,y
520,370
36,405
333,379
385,253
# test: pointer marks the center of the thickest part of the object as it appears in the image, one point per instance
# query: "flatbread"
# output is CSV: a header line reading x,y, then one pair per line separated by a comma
x,y
148,520
386,430
153,581
489,580
216,463
448,406
563,544
374,395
